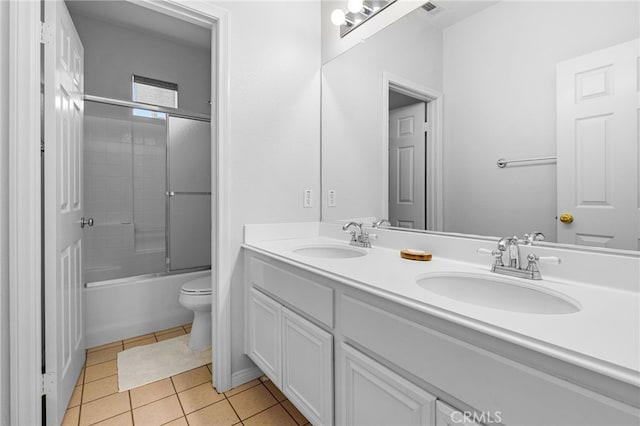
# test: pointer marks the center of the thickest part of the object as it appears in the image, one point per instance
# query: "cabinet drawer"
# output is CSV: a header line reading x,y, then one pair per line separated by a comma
x,y
483,380
302,294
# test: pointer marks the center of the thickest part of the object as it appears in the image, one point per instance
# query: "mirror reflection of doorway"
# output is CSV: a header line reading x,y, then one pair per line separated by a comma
x,y
408,138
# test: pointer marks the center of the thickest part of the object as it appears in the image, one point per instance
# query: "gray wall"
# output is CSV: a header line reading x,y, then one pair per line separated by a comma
x,y
113,53
4,212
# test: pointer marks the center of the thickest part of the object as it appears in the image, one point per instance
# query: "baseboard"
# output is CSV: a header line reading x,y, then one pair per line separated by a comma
x,y
243,376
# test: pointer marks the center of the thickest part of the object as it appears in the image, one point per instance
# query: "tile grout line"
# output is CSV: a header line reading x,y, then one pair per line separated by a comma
x,y
242,391
261,411
231,405
281,402
184,413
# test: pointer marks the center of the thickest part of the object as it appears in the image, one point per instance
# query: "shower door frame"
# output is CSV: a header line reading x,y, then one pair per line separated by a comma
x,y
25,187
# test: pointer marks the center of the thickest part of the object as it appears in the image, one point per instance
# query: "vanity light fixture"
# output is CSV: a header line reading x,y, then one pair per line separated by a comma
x,y
358,11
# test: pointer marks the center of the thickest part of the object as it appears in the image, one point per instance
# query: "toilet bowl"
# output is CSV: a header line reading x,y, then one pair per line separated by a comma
x,y
195,295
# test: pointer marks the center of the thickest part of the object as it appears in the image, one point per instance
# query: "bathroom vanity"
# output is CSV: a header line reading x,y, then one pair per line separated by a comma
x,y
359,336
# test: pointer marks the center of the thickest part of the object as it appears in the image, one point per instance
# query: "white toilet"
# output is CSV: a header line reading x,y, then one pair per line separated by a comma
x,y
196,296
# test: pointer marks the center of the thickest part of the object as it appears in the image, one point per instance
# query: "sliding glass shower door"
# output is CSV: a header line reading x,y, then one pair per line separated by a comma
x,y
188,194
147,180
124,177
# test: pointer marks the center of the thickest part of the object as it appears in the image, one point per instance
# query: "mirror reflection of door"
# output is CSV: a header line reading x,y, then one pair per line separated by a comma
x,y
407,161
598,148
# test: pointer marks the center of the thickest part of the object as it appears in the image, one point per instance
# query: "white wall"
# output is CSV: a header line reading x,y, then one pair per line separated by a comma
x,y
112,53
352,124
274,126
334,45
505,107
4,213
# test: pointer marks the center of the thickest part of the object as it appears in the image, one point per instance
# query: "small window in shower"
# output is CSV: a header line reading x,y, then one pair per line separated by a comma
x,y
153,92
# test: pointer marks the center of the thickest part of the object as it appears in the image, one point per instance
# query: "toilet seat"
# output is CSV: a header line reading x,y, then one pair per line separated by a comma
x,y
198,286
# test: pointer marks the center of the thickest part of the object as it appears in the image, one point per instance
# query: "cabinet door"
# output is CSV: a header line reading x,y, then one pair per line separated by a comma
x,y
448,416
375,395
264,341
307,368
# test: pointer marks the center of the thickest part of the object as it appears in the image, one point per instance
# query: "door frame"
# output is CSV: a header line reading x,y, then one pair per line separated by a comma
x,y
24,213
433,99
25,242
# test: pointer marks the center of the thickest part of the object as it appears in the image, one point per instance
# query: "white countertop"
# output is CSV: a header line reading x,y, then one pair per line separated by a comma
x,y
604,336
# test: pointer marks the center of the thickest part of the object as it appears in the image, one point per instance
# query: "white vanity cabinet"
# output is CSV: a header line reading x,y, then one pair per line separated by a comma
x,y
327,343
375,395
448,416
264,335
295,353
307,367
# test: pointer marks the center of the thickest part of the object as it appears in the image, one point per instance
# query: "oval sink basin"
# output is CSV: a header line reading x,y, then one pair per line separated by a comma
x,y
498,293
330,251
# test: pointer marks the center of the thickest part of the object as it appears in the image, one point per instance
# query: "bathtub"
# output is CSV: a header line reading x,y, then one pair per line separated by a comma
x,y
120,309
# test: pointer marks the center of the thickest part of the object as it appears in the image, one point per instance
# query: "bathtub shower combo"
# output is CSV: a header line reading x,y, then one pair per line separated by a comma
x,y
147,188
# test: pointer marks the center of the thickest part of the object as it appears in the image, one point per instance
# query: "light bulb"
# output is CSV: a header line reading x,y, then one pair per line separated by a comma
x,y
355,6
338,17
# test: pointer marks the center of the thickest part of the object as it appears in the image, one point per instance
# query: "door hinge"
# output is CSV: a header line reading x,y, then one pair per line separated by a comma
x,y
426,128
46,33
48,383
42,146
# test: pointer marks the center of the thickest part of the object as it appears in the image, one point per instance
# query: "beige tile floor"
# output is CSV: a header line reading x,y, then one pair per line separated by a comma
x,y
184,399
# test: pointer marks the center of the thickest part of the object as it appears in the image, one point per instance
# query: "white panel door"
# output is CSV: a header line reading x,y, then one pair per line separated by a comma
x,y
63,209
598,123
307,367
375,395
407,148
264,338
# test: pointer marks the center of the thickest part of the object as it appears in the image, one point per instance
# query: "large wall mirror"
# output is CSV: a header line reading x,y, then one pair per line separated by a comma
x,y
416,118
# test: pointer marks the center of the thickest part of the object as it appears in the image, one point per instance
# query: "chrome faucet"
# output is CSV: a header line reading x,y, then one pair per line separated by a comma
x,y
381,222
359,237
513,268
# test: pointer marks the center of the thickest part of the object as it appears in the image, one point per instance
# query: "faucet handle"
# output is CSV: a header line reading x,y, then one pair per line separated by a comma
x,y
486,252
497,254
532,258
549,259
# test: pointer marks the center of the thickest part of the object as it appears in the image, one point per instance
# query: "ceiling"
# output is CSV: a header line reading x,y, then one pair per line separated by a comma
x,y
129,15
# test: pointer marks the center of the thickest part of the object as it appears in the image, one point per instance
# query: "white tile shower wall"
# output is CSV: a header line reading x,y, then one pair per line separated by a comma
x,y
149,186
124,193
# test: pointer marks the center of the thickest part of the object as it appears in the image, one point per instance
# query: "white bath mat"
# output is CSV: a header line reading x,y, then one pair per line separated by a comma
x,y
145,364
